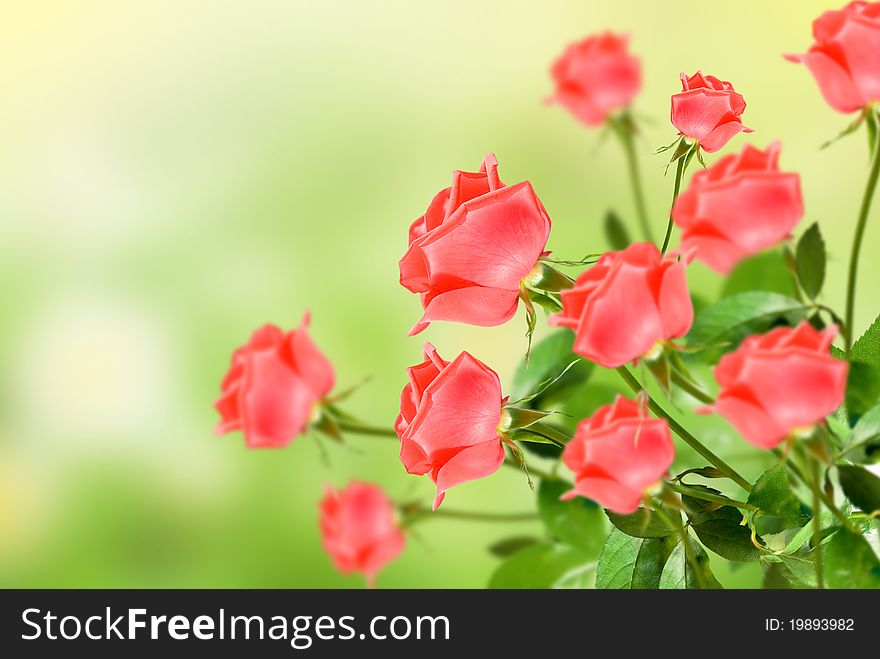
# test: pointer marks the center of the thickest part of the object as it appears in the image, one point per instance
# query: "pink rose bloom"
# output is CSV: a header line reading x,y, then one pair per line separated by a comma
x,y
273,386
737,207
845,60
472,247
596,76
708,110
622,306
779,382
617,454
448,423
360,530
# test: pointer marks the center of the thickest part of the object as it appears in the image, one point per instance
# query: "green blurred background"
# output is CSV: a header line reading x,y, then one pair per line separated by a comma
x,y
175,174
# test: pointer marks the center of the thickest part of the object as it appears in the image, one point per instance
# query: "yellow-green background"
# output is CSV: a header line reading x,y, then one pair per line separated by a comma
x,y
173,174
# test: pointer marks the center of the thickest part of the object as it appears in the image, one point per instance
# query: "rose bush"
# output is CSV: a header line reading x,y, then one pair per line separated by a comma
x,y
796,380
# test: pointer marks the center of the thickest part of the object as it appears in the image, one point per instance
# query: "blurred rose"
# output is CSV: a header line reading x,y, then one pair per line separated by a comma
x,y
273,386
708,110
596,76
448,423
617,454
472,247
780,382
845,59
360,529
737,207
626,303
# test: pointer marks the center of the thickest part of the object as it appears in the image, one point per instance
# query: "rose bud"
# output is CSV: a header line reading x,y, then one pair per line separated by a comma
x,y
448,423
596,77
617,455
360,529
626,305
473,246
274,386
845,59
708,111
737,207
780,383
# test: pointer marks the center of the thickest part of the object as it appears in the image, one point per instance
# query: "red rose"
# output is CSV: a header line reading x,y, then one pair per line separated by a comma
x,y
845,60
622,306
360,530
273,386
739,206
596,76
708,111
617,454
779,382
448,423
472,247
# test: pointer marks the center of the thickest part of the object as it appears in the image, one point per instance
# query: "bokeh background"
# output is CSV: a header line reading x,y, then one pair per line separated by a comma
x,y
174,174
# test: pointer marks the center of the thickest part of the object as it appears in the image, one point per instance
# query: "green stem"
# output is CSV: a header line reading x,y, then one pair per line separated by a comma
x,y
685,545
708,496
679,430
626,138
824,498
857,242
817,523
679,174
686,385
548,432
362,429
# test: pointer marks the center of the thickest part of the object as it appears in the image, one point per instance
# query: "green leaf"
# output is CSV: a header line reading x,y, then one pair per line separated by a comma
x,y
645,523
810,261
863,443
765,272
799,568
867,348
549,357
850,562
726,323
577,522
775,577
862,390
861,486
720,528
615,231
509,546
545,565
678,573
546,302
627,562
773,495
